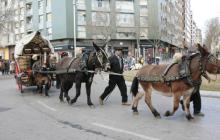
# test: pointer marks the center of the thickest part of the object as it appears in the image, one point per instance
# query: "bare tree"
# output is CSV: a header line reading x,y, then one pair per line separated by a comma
x,y
212,31
6,16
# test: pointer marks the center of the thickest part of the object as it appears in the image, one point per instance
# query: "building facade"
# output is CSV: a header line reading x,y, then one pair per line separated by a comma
x,y
140,26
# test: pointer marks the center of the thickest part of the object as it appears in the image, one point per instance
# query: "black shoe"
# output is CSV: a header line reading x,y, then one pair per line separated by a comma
x,y
199,114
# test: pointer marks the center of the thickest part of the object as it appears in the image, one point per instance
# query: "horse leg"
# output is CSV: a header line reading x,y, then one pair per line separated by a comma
x,y
135,102
88,92
176,101
46,89
61,94
186,101
67,96
78,90
149,102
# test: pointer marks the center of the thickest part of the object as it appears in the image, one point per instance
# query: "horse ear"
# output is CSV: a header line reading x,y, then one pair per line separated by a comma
x,y
97,48
202,50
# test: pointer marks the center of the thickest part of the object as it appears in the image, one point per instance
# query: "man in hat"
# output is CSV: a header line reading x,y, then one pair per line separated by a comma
x,y
116,64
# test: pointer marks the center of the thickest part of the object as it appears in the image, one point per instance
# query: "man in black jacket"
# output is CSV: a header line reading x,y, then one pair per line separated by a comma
x,y
116,63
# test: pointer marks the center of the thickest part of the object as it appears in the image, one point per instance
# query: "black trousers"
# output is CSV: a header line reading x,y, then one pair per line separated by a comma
x,y
196,99
113,81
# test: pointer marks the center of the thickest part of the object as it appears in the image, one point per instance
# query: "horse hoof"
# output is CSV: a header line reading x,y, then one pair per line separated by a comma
x,y
156,114
90,104
167,113
72,102
189,117
158,117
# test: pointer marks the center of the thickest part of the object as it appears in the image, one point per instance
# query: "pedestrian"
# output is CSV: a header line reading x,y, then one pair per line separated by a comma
x,y
12,67
131,61
117,66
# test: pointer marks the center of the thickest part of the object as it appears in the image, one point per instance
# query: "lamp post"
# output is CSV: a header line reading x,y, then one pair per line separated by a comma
x,y
74,26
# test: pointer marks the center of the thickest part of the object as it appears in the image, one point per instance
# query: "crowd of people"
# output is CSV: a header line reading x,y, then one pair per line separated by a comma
x,y
7,66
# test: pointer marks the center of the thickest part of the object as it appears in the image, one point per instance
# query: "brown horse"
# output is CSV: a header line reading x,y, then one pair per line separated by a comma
x,y
178,79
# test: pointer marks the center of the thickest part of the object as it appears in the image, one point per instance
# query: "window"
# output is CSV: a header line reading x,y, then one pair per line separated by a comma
x,y
143,2
81,18
49,17
81,31
40,4
29,20
125,6
22,23
143,21
17,24
81,5
41,18
29,6
143,11
22,11
125,20
100,19
102,5
17,37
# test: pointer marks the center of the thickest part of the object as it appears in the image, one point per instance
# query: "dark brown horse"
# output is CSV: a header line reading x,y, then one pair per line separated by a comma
x,y
96,59
172,80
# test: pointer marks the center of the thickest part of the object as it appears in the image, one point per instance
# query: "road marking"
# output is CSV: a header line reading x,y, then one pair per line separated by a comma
x,y
124,131
46,106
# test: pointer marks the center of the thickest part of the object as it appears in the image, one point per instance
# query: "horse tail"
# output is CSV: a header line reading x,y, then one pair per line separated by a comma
x,y
58,82
134,86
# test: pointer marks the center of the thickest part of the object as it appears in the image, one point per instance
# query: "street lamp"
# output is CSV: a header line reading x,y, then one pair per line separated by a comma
x,y
74,26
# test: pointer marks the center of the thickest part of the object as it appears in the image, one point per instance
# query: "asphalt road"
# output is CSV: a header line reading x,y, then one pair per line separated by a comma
x,y
30,116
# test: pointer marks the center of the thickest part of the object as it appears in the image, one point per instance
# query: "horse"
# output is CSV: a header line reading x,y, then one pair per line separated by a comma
x,y
42,78
177,79
97,59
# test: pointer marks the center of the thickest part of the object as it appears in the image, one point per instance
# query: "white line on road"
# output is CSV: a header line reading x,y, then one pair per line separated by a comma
x,y
124,131
46,106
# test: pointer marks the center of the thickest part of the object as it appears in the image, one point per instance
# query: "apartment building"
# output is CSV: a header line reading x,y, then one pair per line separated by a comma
x,y
133,25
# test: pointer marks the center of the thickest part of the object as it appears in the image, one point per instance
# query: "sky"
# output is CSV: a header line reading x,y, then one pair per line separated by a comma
x,y
203,10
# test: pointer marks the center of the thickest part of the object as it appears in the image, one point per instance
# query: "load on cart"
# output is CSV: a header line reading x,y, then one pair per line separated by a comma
x,y
34,56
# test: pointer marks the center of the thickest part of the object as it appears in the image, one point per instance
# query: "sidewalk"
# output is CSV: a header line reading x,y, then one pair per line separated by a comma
x,y
204,93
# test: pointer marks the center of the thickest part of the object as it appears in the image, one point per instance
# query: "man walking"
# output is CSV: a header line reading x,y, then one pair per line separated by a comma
x,y
116,63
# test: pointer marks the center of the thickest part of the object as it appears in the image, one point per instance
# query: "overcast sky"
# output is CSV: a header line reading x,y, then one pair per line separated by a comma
x,y
204,10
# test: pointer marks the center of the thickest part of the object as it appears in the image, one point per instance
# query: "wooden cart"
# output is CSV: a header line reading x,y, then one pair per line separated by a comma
x,y
32,44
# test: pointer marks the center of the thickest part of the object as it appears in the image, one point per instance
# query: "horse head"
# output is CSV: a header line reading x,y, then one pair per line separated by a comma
x,y
211,64
101,59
